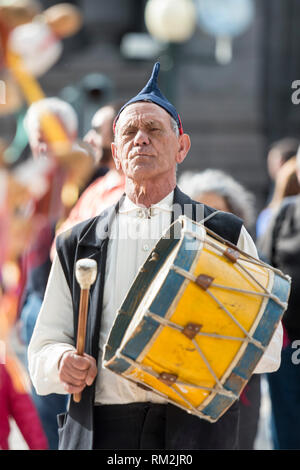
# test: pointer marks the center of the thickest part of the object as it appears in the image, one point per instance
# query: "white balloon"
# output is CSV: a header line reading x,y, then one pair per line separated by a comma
x,y
170,20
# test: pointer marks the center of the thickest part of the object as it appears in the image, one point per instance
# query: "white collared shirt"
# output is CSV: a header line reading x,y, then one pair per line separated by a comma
x,y
133,236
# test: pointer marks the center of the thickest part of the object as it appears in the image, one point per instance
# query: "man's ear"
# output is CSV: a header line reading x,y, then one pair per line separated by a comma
x,y
184,147
115,156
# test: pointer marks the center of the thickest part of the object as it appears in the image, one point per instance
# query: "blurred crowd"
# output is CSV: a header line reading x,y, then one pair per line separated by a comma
x,y
66,178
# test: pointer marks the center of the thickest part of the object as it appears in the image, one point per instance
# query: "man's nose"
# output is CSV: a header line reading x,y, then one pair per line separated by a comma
x,y
141,138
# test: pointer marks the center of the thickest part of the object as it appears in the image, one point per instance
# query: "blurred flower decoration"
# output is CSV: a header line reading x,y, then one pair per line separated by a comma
x,y
171,20
224,20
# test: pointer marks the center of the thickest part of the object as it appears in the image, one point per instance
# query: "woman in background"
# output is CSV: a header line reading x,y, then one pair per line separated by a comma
x,y
220,191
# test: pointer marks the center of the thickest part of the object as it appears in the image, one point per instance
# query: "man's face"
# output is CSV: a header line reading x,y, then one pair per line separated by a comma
x,y
145,144
37,143
273,163
43,148
100,136
213,200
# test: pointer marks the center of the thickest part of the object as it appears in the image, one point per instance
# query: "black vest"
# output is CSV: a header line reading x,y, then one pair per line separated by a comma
x,y
89,239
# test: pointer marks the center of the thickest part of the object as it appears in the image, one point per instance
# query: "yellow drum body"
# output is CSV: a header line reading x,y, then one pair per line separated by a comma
x,y
197,330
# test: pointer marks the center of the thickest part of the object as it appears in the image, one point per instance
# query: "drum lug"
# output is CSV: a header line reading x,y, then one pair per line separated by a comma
x,y
231,254
168,379
154,256
204,281
143,269
191,330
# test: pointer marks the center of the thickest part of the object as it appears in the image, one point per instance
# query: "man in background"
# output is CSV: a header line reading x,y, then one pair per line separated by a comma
x,y
107,184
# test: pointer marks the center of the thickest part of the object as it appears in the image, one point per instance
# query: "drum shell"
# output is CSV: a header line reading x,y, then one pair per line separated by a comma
x,y
161,348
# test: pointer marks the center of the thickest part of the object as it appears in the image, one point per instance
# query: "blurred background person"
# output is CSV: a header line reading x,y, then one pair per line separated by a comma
x,y
63,111
220,191
280,246
286,184
279,153
37,260
107,188
16,404
99,136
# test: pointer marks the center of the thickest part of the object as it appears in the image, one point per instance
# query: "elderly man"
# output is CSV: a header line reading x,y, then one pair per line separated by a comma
x,y
107,184
36,259
114,413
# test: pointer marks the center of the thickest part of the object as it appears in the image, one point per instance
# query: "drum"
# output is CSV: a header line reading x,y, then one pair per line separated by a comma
x,y
196,320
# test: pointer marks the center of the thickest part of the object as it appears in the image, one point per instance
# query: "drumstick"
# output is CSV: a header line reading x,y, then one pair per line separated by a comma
x,y
85,272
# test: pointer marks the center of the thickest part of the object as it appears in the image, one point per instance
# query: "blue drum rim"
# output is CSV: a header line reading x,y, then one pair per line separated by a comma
x,y
242,372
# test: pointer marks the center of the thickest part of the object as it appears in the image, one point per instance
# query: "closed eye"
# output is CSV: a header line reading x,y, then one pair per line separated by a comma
x,y
129,131
155,129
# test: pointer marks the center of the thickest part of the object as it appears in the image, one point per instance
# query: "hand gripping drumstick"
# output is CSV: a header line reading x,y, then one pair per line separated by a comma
x,y
85,272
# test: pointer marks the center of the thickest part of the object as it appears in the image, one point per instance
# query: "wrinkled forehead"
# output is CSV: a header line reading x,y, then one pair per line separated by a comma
x,y
142,112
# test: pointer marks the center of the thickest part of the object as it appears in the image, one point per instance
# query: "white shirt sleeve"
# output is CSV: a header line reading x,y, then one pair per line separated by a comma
x,y
270,361
53,334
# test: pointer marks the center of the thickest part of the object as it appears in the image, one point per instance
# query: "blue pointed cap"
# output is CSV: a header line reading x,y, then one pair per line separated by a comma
x,y
152,93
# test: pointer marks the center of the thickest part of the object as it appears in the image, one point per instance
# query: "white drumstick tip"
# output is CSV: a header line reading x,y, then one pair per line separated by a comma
x,y
86,272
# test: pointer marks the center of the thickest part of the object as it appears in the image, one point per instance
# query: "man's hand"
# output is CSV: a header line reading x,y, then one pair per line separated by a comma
x,y
75,371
